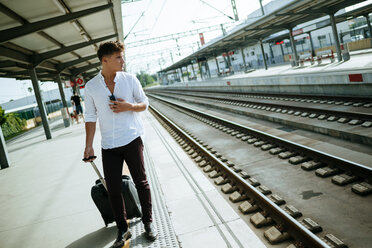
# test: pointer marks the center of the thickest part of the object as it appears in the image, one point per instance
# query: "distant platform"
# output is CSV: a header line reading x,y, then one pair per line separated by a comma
x,y
353,77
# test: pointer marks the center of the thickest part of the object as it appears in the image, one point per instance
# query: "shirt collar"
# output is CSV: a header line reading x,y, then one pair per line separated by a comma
x,y
103,79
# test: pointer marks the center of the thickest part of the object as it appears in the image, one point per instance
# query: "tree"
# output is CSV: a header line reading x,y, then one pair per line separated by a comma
x,y
145,78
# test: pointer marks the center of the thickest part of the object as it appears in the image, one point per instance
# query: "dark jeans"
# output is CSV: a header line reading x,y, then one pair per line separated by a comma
x,y
79,109
113,160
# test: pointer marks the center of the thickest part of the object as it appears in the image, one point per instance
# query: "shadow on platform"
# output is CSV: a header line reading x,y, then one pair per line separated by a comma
x,y
96,239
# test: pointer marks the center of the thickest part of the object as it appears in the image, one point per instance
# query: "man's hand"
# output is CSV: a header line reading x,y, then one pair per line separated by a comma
x,y
120,106
89,152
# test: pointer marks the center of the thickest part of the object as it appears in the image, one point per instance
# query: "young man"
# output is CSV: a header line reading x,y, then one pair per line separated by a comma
x,y
115,98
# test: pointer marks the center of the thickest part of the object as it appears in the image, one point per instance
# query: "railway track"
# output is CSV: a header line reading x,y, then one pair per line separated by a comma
x,y
253,196
355,101
352,116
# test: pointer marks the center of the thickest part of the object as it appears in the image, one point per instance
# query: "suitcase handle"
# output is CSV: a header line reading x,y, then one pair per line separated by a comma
x,y
97,171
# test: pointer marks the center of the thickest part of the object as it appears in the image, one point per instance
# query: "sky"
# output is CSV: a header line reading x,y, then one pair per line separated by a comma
x,y
145,19
158,18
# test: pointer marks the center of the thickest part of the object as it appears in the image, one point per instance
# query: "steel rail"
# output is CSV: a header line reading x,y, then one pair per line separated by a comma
x,y
331,160
288,95
292,226
339,113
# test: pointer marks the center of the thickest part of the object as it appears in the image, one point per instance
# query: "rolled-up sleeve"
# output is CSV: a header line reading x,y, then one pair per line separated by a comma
x,y
90,114
138,93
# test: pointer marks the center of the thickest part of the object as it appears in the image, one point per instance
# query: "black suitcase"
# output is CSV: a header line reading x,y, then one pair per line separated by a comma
x,y
100,198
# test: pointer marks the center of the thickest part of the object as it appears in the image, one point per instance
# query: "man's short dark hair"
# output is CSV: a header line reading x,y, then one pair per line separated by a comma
x,y
109,47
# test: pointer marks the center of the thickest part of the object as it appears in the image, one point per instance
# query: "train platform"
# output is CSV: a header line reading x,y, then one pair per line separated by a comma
x,y
45,196
352,77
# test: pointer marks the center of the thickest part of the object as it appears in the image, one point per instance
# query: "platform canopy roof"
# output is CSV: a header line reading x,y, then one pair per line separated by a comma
x,y
55,36
288,15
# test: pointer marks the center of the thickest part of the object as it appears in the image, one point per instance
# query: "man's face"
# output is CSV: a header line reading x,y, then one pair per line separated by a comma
x,y
114,62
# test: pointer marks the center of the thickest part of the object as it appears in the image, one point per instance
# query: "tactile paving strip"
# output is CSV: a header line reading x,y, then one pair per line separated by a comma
x,y
161,219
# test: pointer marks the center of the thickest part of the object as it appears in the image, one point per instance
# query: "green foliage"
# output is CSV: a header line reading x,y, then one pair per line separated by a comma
x,y
13,125
145,78
2,116
186,74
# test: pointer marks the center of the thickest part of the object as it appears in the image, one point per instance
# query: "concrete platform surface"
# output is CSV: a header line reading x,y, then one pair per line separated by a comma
x,y
45,196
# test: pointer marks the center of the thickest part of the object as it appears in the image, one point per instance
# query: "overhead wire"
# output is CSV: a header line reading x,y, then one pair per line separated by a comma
x,y
156,20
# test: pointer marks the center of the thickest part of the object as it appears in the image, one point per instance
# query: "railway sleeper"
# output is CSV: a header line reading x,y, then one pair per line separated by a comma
x,y
198,159
344,179
248,207
367,124
264,190
214,174
229,188
277,150
355,122
229,164
311,225
333,241
363,188
240,135
298,159
332,118
277,199
237,196
292,211
261,219
194,155
191,151
244,175
267,147
203,163
208,168
260,143
322,117
236,169
252,140
312,165
276,234
221,180
287,154
343,120
327,171
253,181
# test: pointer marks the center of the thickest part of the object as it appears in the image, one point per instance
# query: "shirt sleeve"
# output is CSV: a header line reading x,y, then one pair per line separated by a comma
x,y
138,93
90,114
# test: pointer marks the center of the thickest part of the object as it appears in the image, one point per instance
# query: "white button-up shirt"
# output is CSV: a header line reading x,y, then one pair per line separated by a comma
x,y
117,129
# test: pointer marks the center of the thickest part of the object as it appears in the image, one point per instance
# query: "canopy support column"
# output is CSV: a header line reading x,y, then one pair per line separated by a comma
x,y
218,67
40,104
311,44
243,57
65,115
293,45
263,54
335,36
